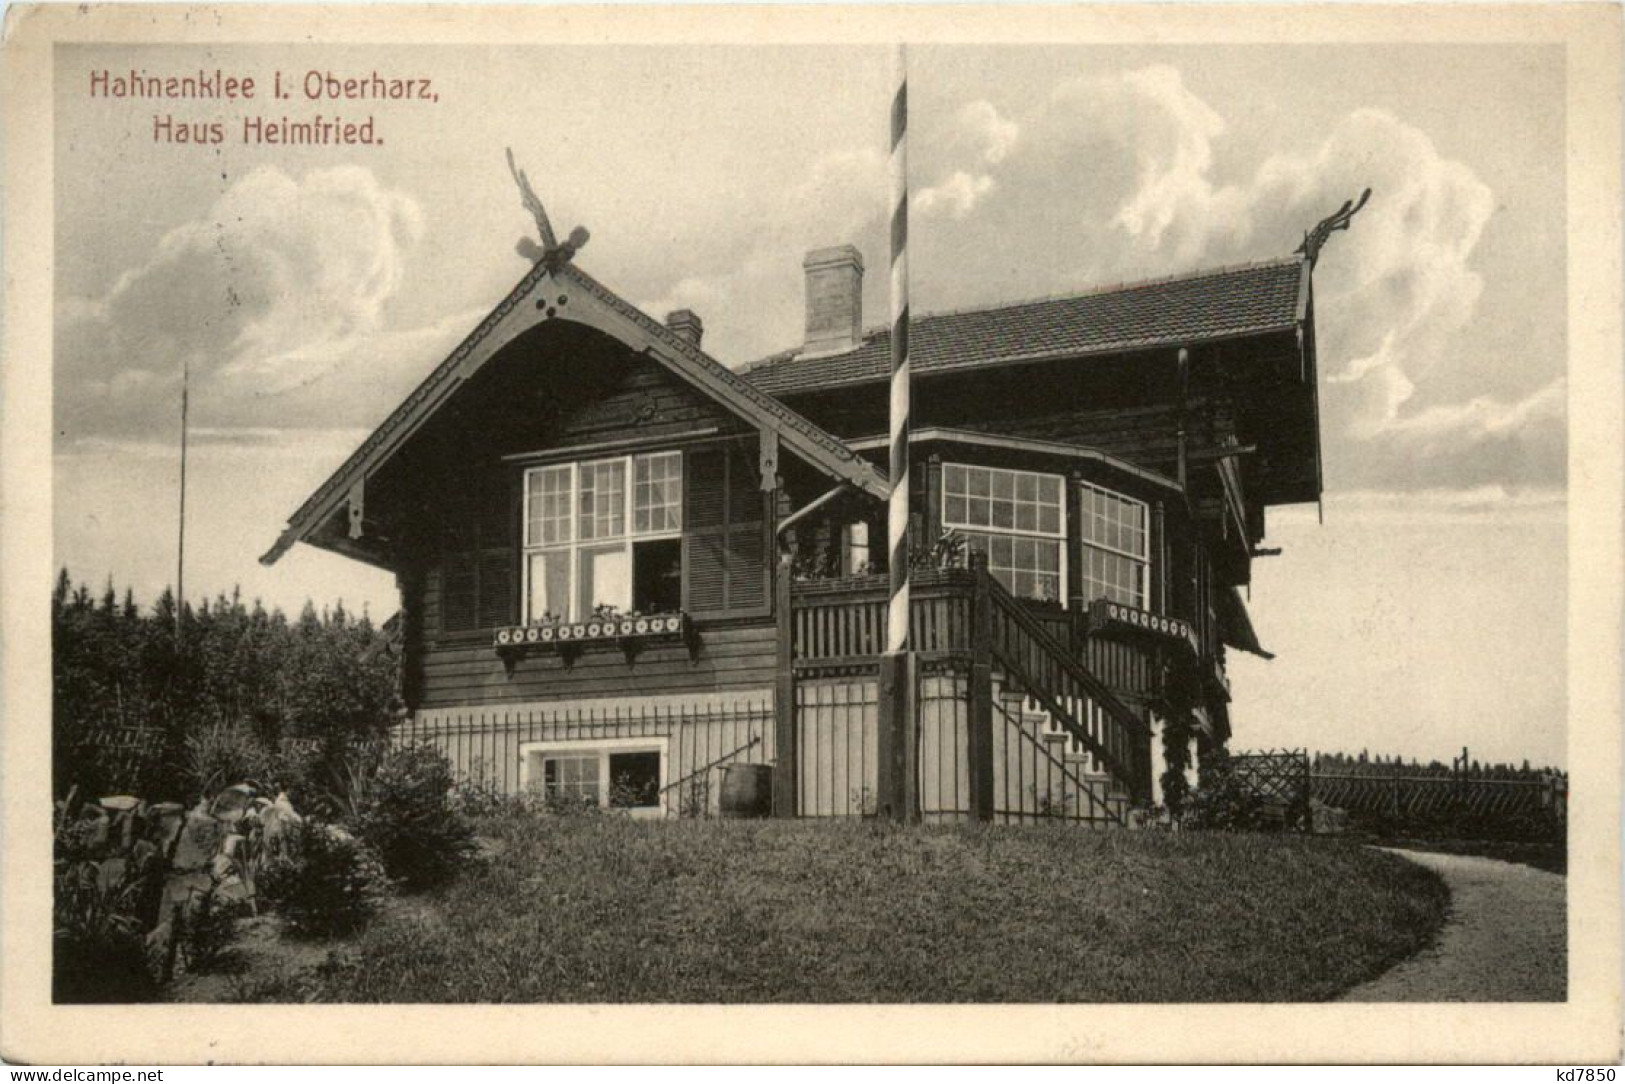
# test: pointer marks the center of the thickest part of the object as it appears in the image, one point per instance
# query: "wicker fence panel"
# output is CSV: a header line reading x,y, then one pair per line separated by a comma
x,y
1399,789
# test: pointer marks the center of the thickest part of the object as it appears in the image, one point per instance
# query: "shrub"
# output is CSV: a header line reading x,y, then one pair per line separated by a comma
x,y
211,929
480,793
347,774
1224,803
409,817
324,881
222,755
694,798
300,772
98,949
1530,827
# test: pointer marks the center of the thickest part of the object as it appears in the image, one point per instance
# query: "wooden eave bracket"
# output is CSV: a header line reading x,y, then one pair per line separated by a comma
x,y
357,505
768,459
1204,455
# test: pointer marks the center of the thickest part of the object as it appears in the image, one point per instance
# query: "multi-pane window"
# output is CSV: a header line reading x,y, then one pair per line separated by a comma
x,y
657,500
548,499
572,779
592,539
1116,546
1015,517
602,487
621,773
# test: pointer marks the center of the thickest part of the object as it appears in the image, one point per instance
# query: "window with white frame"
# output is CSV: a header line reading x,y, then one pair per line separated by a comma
x,y
1116,546
618,773
604,532
855,550
1017,518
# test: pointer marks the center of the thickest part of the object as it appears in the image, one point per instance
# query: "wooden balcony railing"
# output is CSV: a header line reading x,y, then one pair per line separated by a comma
x,y
845,620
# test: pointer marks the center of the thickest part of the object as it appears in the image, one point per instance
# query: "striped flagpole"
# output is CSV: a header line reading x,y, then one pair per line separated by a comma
x,y
897,534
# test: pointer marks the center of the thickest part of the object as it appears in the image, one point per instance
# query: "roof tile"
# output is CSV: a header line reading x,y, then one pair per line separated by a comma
x,y
1210,305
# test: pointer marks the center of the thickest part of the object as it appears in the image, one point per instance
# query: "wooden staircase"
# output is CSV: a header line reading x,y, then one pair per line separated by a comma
x,y
1062,696
1106,789
1090,792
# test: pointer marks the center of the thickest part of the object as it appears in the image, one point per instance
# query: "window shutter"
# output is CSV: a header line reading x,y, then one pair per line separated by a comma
x,y
477,589
496,588
705,589
499,556
724,539
705,519
747,567
458,606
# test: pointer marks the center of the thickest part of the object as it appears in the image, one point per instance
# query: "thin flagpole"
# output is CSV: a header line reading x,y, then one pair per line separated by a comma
x,y
180,548
897,519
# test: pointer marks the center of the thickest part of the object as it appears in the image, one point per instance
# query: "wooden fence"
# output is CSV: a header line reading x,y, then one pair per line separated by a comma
x,y
123,759
1402,790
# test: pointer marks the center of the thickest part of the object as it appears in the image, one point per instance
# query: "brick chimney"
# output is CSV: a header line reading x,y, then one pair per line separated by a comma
x,y
686,322
834,300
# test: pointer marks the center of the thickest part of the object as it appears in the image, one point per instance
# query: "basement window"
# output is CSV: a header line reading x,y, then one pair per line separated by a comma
x,y
618,773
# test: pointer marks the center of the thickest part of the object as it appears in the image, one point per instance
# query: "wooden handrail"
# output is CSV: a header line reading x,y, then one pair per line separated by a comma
x,y
968,612
1068,774
1125,747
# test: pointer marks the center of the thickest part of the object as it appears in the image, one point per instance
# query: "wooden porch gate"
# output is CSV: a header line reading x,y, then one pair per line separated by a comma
x,y
1010,725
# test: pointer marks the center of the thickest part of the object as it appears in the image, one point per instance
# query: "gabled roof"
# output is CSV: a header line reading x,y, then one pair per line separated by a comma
x,y
592,303
1222,304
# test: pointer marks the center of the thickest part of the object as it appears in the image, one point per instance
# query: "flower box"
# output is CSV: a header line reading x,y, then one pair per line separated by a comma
x,y
1114,618
621,629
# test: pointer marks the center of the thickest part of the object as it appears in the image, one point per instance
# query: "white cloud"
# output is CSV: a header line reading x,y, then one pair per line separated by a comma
x,y
1116,177
1175,202
844,192
991,135
700,295
1432,503
748,286
277,299
956,196
978,139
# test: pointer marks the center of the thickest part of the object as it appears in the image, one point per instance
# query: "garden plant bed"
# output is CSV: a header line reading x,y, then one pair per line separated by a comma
x,y
607,909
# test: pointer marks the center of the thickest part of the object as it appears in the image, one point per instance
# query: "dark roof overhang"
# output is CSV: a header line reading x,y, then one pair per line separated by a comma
x,y
1236,626
1075,452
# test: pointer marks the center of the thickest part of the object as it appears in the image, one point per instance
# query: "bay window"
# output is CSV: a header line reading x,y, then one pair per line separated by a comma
x,y
604,533
1116,547
1017,518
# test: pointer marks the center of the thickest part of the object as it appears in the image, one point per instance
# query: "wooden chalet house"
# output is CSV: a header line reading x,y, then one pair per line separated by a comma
x,y
624,567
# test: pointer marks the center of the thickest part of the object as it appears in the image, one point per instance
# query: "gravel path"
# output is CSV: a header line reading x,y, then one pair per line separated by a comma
x,y
1504,939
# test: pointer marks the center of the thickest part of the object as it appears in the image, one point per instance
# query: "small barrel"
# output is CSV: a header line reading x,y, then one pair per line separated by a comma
x,y
747,791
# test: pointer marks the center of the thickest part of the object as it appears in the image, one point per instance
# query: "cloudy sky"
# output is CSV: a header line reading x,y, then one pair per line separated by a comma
x,y
310,288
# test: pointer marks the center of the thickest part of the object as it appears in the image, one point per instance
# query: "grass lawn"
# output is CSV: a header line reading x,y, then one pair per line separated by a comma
x,y
605,909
